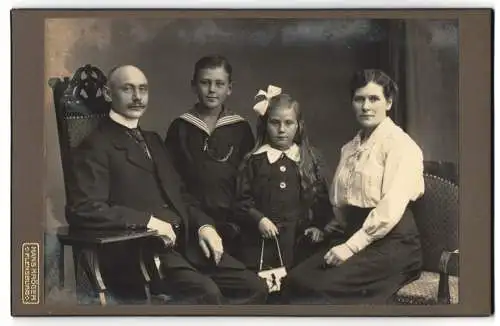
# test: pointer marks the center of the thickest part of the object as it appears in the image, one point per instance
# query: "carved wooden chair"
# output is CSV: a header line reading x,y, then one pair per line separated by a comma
x,y
436,215
80,106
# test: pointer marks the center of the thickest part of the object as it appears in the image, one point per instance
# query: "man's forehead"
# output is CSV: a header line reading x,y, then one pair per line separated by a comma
x,y
128,75
132,81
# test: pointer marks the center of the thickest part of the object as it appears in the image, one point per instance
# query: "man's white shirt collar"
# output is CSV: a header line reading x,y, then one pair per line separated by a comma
x,y
118,118
274,154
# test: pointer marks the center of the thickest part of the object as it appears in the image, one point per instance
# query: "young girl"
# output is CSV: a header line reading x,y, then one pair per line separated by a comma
x,y
281,191
209,142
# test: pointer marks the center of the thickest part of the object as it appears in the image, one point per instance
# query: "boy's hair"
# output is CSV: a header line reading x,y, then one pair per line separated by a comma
x,y
212,61
308,165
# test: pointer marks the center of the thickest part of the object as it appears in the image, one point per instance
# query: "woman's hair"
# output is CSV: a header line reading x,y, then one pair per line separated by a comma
x,y
212,61
308,160
363,77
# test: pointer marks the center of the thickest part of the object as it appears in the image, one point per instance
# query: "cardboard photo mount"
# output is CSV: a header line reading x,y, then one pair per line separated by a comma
x,y
475,170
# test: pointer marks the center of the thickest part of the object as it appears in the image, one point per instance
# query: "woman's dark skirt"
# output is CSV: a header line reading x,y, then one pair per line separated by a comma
x,y
370,276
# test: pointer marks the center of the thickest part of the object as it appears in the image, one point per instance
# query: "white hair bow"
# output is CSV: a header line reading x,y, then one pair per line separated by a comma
x,y
272,91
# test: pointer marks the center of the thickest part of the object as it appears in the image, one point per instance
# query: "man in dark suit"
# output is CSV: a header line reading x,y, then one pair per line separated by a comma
x,y
123,178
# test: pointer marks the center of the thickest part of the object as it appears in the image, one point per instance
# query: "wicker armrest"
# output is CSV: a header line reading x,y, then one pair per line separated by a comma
x,y
448,265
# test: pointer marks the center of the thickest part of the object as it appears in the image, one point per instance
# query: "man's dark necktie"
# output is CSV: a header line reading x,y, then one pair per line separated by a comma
x,y
139,139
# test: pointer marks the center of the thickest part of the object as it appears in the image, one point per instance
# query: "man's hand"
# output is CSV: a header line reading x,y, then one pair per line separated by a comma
x,y
267,228
315,234
210,243
165,231
338,254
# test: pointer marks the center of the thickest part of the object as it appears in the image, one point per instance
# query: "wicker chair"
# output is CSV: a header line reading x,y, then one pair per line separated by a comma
x,y
80,106
436,215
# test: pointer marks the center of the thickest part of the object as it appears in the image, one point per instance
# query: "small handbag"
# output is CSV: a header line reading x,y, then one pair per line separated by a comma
x,y
272,276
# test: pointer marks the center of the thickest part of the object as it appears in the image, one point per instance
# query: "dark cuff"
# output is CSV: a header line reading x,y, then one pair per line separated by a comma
x,y
255,214
138,221
166,214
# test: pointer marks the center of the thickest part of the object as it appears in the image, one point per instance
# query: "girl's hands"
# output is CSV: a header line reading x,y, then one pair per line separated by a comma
x,y
267,228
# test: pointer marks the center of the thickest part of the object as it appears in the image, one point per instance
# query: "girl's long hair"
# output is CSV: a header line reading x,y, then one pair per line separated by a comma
x,y
308,165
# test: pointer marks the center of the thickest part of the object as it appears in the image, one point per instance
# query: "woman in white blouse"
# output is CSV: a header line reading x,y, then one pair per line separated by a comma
x,y
374,245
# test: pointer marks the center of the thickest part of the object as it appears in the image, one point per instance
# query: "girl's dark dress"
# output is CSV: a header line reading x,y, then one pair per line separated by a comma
x,y
208,162
274,190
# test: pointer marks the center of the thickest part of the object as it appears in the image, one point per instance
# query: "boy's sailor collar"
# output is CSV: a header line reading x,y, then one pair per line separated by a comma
x,y
274,154
226,117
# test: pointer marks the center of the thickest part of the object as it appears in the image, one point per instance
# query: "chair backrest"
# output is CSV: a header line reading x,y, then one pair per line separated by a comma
x,y
436,215
444,169
79,105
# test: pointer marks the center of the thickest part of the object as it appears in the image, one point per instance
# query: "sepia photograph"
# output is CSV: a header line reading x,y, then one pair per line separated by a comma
x,y
249,160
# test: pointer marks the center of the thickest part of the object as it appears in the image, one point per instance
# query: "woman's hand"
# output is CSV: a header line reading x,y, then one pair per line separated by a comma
x,y
338,255
315,234
267,228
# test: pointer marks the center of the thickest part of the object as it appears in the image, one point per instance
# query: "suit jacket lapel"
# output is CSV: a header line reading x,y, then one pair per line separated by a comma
x,y
169,179
134,153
